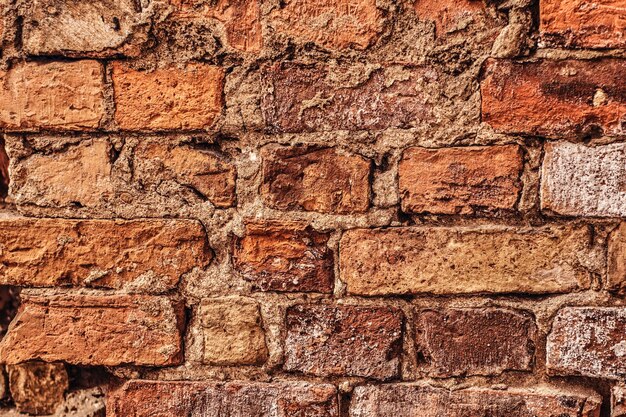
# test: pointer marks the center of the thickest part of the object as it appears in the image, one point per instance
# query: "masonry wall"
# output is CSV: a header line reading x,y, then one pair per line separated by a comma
x,y
313,208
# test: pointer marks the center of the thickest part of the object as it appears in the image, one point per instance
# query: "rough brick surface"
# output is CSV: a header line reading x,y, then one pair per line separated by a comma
x,y
465,260
579,180
406,400
448,15
149,398
94,28
555,98
52,96
460,180
344,341
584,23
139,255
289,257
306,98
4,172
616,257
96,330
488,341
188,98
232,332
37,387
322,180
589,341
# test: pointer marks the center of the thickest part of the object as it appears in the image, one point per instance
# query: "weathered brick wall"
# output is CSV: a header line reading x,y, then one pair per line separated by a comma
x,y
313,208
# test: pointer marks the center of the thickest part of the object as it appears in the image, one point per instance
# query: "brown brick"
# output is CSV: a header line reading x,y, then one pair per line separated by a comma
x,y
206,172
617,259
287,256
344,341
38,387
475,341
322,180
303,98
440,260
448,14
137,255
618,400
578,180
232,332
170,98
409,400
332,24
84,28
52,96
96,330
588,341
583,23
555,98
178,398
460,180
4,172
240,18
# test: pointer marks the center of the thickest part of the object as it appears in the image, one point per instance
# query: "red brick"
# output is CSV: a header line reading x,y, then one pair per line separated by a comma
x,y
52,96
475,341
96,330
616,259
240,18
302,98
344,341
338,24
136,255
409,400
322,180
38,387
583,23
555,98
460,180
293,399
588,341
288,256
169,98
447,14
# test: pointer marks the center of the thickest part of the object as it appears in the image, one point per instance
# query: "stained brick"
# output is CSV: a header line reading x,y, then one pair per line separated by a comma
x,y
344,341
96,330
137,255
37,387
52,96
460,180
321,180
579,180
474,341
589,341
286,256
555,98
583,23
441,260
169,98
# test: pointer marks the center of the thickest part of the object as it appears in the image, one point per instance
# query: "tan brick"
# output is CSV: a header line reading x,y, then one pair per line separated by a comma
x,y
441,260
286,256
52,96
96,330
181,398
344,341
555,98
322,180
474,341
583,23
38,387
617,259
169,98
84,28
332,24
409,400
579,180
206,172
588,341
460,180
137,255
306,98
232,332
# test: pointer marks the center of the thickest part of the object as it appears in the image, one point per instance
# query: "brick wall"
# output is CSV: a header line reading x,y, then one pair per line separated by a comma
x,y
313,208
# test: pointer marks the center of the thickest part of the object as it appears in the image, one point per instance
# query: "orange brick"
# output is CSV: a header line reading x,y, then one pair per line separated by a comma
x,y
447,13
